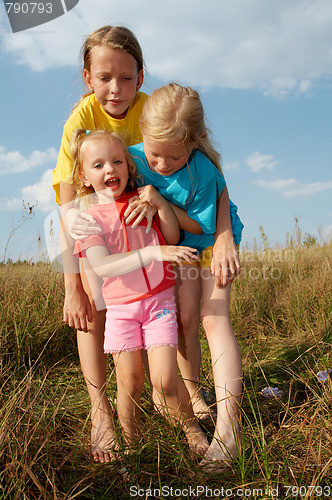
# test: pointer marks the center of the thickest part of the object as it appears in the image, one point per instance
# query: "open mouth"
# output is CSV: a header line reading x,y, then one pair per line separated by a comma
x,y
113,183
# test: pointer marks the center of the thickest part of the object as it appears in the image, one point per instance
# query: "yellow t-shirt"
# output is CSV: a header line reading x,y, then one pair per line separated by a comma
x,y
90,115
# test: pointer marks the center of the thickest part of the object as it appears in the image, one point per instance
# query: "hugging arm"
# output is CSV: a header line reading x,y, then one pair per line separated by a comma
x,y
109,265
78,223
169,224
185,222
77,308
140,209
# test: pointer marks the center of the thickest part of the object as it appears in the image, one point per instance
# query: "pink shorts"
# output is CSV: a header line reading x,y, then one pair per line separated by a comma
x,y
146,323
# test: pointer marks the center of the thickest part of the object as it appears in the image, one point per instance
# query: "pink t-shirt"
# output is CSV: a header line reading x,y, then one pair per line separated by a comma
x,y
118,237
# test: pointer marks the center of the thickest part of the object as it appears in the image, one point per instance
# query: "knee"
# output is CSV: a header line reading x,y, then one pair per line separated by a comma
x,y
132,382
188,322
164,385
215,321
209,320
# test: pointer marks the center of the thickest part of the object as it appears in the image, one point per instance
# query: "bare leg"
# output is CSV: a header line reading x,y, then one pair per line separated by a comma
x,y
188,296
227,373
173,396
130,381
93,363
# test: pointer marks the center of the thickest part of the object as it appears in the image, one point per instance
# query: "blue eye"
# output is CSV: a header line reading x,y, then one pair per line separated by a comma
x,y
98,165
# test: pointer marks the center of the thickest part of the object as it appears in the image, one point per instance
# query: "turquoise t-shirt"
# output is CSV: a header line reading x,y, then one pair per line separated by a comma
x,y
196,188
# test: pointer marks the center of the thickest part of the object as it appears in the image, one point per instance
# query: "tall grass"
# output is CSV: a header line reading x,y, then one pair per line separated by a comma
x,y
281,312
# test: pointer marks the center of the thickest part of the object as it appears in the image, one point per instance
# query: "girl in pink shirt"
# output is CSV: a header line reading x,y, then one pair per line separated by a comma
x,y
138,286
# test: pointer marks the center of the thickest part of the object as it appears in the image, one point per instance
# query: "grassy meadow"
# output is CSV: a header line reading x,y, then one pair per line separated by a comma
x,y
281,313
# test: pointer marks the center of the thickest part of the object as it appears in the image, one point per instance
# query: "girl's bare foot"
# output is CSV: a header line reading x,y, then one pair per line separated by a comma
x,y
103,443
220,454
196,438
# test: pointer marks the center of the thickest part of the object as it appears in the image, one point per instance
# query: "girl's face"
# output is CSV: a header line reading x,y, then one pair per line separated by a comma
x,y
165,159
114,78
105,168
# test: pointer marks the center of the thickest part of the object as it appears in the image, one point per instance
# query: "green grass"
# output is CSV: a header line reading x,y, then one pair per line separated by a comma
x,y
281,313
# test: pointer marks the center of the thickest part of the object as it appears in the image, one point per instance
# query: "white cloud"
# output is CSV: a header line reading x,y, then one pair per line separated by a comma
x,y
12,162
257,162
277,46
306,191
231,166
275,185
41,194
292,188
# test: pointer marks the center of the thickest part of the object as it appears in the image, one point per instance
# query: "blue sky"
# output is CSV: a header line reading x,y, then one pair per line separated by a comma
x,y
264,71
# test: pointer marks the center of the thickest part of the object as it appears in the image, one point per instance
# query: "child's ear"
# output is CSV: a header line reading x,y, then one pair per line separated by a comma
x,y
140,78
87,79
85,180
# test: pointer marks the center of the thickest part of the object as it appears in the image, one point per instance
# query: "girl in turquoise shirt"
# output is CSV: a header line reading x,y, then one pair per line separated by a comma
x,y
177,158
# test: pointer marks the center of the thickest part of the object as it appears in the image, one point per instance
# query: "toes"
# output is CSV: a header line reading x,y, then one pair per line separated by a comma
x,y
102,456
98,456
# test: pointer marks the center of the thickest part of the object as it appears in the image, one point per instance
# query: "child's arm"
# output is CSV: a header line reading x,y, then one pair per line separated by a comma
x,y
185,222
169,224
79,224
77,308
109,265
225,263
141,210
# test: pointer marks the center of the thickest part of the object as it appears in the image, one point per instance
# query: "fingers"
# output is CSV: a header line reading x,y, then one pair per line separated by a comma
x,y
179,253
139,208
140,214
146,191
220,274
136,208
83,225
149,220
76,321
89,314
225,270
189,254
81,232
132,203
212,266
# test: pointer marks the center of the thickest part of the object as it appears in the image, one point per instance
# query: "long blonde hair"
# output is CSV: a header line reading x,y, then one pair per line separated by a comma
x,y
174,114
79,140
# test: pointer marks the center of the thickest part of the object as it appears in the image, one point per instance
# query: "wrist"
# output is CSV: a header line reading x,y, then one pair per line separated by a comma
x,y
224,241
225,235
148,254
162,204
73,281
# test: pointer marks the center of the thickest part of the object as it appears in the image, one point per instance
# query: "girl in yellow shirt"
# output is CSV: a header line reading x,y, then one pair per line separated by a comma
x,y
113,73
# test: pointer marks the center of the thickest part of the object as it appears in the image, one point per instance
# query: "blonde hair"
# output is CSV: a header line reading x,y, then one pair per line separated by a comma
x,y
79,140
174,114
115,37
